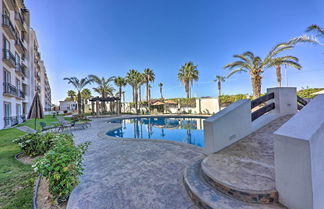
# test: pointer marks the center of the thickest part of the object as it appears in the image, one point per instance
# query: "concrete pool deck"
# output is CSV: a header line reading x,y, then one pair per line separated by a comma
x,y
131,173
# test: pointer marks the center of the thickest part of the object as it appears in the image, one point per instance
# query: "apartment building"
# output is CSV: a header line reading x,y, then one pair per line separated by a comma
x,y
23,71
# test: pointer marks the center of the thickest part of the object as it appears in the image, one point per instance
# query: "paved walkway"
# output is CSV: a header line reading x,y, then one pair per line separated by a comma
x,y
131,174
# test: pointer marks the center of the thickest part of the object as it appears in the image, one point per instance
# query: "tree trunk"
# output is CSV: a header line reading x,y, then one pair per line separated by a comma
x,y
79,102
120,100
278,73
161,92
147,95
187,89
219,94
136,100
256,86
140,95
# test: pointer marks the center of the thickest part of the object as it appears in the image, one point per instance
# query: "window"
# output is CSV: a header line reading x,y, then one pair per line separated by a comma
x,y
6,44
6,76
18,109
5,11
18,84
17,59
7,113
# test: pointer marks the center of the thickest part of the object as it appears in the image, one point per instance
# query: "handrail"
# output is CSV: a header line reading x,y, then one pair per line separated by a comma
x,y
258,113
262,99
301,101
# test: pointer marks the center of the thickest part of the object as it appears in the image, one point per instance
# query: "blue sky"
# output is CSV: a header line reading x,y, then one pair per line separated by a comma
x,y
109,37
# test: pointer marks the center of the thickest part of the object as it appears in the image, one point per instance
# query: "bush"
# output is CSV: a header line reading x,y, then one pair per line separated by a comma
x,y
229,99
79,117
308,92
37,143
61,166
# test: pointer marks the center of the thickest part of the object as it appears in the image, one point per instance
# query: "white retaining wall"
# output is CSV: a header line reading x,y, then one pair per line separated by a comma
x,y
299,158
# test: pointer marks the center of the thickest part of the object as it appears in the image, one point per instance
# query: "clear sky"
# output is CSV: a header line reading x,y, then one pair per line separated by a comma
x,y
109,37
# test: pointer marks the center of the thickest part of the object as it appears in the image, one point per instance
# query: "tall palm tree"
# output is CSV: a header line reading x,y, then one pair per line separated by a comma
x,y
71,94
141,82
161,86
78,85
149,76
272,60
251,64
134,78
219,80
120,82
254,65
104,88
187,74
85,95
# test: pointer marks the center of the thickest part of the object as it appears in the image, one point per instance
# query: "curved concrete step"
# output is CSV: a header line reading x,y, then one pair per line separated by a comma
x,y
205,196
246,181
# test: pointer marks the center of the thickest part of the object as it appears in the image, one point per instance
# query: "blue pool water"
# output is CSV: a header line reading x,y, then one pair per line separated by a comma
x,y
188,130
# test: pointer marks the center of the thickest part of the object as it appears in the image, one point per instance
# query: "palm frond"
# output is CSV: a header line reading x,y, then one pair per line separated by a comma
x,y
236,71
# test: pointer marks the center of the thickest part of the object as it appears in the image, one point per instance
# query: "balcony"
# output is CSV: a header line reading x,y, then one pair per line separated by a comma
x,y
9,90
19,46
20,70
9,58
8,27
20,94
19,20
37,76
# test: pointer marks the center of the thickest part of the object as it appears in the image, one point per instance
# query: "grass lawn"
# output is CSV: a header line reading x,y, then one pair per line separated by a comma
x,y
48,119
16,179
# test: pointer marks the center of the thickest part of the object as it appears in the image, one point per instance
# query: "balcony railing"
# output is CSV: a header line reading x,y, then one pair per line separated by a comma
x,y
19,45
20,69
19,19
8,26
11,90
13,120
9,58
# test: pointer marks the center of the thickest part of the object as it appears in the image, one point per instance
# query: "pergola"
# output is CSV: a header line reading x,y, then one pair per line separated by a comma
x,y
112,101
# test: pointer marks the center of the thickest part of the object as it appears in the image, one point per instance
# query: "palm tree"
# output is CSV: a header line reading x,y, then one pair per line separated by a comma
x,y
134,78
104,88
120,82
187,74
79,85
142,81
254,65
219,80
85,95
273,61
317,29
71,94
149,76
161,86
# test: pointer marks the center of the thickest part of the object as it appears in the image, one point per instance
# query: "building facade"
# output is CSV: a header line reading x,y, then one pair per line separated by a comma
x,y
23,71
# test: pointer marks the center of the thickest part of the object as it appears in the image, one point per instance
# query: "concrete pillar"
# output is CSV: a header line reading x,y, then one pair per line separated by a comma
x,y
285,100
299,157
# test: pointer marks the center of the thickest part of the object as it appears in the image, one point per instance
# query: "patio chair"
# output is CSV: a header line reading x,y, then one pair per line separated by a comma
x,y
74,125
45,127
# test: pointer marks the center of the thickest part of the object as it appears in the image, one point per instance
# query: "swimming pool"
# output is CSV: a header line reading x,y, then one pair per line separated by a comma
x,y
186,129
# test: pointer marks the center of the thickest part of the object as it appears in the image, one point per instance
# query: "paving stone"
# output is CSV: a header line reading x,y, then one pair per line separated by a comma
x,y
126,174
26,129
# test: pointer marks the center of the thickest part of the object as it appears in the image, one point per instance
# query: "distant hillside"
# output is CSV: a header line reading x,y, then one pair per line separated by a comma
x,y
308,93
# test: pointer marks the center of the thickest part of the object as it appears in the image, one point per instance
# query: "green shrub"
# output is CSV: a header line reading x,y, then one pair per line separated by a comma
x,y
79,117
61,166
37,143
308,92
229,99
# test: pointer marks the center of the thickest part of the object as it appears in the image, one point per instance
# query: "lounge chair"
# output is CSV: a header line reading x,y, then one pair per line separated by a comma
x,y
45,127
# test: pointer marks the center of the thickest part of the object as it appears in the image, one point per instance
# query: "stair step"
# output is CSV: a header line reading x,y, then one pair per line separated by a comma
x,y
248,181
205,196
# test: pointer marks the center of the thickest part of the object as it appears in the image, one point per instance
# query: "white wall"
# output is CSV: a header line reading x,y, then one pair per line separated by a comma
x,y
299,157
227,126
